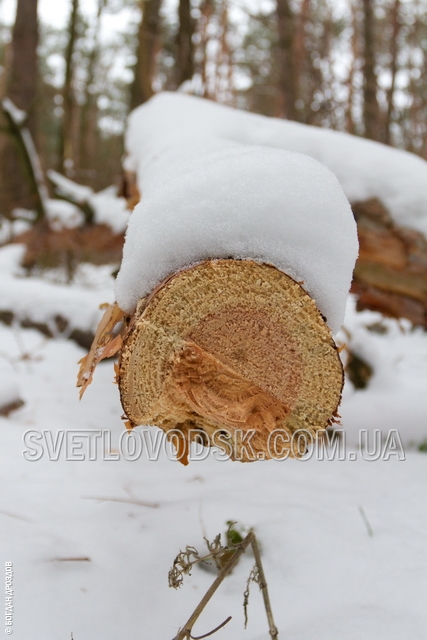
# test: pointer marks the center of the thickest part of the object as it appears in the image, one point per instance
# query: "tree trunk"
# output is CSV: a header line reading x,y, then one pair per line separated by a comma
x,y
27,156
66,154
285,45
22,85
88,125
247,353
350,125
370,108
394,52
184,43
16,189
148,43
302,59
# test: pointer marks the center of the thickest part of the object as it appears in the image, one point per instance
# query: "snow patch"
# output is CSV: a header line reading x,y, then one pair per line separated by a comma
x,y
9,389
63,215
43,302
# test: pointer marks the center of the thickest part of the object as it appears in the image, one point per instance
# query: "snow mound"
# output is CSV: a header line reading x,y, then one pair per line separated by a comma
x,y
365,169
209,197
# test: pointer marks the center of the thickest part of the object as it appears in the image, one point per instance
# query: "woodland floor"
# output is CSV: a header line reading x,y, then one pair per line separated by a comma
x,y
97,567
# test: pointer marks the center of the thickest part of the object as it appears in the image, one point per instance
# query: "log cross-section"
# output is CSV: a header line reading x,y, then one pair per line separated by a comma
x,y
228,346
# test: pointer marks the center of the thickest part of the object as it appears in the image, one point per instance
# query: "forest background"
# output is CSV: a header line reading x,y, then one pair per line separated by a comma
x,y
353,65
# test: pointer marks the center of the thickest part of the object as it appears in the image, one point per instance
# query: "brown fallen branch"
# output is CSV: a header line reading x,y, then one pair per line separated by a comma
x,y
66,248
228,347
391,272
77,559
8,408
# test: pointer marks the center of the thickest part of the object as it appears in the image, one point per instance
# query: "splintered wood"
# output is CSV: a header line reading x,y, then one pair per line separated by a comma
x,y
226,347
105,345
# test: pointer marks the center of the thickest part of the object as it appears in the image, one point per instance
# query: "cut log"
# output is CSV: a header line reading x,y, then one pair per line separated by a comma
x,y
229,346
391,270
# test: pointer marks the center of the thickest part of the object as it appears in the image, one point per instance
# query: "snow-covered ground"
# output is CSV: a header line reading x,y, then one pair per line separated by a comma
x,y
89,558
39,300
91,533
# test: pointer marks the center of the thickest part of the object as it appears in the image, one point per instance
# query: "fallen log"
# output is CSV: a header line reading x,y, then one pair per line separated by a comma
x,y
391,271
227,347
219,345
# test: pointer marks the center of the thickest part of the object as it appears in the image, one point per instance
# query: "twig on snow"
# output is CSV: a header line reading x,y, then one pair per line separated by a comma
x,y
218,552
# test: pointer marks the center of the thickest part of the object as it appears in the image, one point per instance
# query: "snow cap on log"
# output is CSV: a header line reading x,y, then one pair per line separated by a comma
x,y
364,168
208,197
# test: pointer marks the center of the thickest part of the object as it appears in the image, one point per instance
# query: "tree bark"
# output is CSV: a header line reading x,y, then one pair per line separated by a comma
x,y
88,125
394,52
286,58
148,43
184,43
370,108
22,84
28,158
16,188
66,154
248,351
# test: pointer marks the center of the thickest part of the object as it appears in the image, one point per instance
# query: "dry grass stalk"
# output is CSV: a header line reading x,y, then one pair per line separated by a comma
x,y
186,632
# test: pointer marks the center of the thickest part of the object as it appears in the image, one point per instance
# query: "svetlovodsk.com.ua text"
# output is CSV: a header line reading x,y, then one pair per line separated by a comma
x,y
151,444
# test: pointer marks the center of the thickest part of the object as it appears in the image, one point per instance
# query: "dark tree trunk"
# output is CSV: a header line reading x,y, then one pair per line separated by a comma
x,y
370,109
16,188
22,85
66,138
148,42
184,43
285,44
88,125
